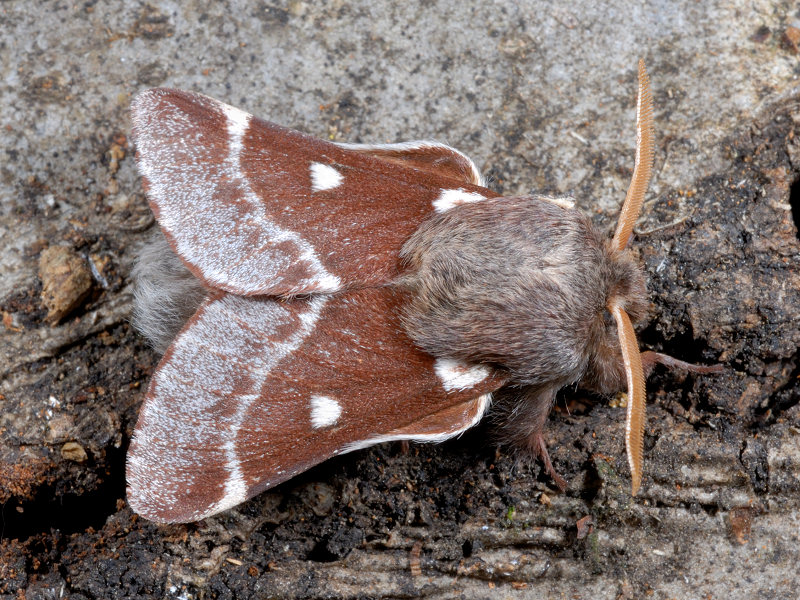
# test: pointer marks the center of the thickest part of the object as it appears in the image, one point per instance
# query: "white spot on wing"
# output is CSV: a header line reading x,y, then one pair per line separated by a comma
x,y
450,198
456,375
324,177
325,411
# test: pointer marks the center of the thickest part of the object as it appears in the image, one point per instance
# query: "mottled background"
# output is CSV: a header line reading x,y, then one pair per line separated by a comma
x,y
542,96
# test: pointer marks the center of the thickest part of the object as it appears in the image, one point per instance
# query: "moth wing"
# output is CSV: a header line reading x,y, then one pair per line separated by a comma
x,y
253,208
256,390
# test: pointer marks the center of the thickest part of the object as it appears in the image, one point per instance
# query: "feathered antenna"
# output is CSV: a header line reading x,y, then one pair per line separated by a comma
x,y
637,401
643,168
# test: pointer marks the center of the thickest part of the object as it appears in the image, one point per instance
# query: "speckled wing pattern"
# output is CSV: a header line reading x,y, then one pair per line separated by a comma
x,y
254,391
261,385
253,208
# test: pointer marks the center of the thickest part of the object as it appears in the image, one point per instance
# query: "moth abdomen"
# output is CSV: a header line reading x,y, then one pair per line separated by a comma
x,y
166,294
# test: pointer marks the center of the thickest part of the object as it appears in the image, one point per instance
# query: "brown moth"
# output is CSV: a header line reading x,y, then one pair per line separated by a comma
x,y
314,298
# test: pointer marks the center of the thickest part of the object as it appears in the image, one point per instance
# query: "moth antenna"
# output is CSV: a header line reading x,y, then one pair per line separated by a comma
x,y
643,167
635,419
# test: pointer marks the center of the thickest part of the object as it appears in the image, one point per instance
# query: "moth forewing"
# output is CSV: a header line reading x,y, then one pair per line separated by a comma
x,y
253,208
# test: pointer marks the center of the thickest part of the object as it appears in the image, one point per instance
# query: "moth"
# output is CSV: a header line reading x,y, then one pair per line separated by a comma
x,y
314,298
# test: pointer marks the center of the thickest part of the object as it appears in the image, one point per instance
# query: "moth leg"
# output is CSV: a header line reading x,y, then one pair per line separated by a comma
x,y
650,359
537,443
525,425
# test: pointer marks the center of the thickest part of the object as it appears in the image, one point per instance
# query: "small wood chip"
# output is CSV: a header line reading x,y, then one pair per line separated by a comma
x,y
66,281
73,451
414,559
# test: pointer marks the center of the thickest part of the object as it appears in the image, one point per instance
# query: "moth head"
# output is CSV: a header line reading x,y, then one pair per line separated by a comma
x,y
619,305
